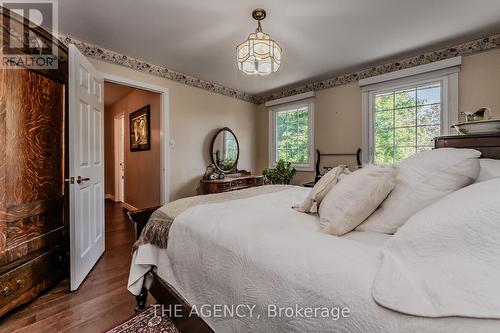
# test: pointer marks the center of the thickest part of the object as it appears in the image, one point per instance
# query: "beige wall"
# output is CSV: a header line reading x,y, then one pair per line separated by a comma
x,y
338,110
142,168
479,82
195,116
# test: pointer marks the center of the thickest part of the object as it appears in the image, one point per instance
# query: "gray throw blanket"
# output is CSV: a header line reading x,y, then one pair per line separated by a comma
x,y
156,230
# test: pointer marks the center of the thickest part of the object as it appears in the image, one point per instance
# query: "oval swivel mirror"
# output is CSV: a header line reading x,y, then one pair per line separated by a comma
x,y
225,151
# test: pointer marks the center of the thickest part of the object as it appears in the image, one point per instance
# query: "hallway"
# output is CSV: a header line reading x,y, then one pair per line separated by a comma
x,y
102,300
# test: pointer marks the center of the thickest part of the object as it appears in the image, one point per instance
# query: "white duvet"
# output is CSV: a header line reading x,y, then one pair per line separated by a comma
x,y
262,253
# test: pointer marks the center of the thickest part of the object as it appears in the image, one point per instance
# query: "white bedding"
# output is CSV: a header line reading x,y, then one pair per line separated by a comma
x,y
446,259
260,251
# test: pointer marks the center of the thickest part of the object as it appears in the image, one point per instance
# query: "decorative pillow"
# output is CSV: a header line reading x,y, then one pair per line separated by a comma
x,y
422,179
355,197
320,189
488,169
445,260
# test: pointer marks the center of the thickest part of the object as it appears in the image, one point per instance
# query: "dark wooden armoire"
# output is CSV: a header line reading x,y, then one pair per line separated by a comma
x,y
33,145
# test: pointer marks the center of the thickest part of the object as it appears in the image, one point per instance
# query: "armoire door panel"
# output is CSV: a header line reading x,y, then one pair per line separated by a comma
x,y
34,115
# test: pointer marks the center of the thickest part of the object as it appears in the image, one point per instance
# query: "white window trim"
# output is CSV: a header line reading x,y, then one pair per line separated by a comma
x,y
272,132
448,77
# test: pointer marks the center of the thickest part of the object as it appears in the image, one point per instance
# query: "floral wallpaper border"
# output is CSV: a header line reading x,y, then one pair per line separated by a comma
x,y
463,49
97,52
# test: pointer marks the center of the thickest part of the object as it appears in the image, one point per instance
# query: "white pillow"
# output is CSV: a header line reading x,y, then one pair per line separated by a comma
x,y
355,197
422,179
489,169
320,189
445,261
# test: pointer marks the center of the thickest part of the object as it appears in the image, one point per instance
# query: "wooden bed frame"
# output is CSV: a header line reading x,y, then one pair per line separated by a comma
x,y
165,294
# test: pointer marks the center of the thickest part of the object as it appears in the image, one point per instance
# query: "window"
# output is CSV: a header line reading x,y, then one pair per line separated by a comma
x,y
291,133
406,121
403,111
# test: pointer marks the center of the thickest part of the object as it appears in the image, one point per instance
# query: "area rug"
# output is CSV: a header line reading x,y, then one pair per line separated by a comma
x,y
146,322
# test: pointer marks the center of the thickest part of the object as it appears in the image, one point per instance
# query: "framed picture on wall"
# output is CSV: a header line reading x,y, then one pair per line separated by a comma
x,y
140,129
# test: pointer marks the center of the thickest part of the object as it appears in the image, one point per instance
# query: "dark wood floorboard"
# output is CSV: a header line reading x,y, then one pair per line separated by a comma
x,y
102,300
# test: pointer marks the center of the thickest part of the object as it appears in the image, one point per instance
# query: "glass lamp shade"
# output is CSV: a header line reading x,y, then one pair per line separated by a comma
x,y
258,55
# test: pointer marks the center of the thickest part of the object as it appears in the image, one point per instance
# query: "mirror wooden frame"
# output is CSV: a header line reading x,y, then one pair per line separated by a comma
x,y
234,169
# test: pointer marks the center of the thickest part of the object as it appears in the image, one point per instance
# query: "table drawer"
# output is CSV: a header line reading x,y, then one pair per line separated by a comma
x,y
222,187
242,182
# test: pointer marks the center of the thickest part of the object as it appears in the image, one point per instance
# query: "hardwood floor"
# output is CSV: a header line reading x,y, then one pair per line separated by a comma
x,y
102,300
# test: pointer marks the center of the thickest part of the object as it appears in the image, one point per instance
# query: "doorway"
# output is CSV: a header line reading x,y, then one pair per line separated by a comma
x,y
133,169
163,129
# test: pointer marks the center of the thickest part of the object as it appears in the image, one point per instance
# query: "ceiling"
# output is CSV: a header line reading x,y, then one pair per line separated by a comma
x,y
319,38
114,92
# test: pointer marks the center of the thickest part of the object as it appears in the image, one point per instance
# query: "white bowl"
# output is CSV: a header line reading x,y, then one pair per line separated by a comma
x,y
479,127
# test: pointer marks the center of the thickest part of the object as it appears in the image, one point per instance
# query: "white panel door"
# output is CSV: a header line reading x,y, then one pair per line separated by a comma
x,y
86,153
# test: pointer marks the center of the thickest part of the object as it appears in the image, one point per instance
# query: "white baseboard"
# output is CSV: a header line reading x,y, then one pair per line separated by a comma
x,y
129,207
109,196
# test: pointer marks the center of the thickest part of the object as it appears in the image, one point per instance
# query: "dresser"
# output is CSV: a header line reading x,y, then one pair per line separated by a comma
x,y
230,184
33,143
487,144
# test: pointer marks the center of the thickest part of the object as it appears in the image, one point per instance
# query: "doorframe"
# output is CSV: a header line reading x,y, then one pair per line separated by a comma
x,y
119,197
164,124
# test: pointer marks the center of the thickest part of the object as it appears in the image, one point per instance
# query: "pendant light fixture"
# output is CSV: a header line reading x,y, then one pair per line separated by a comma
x,y
259,54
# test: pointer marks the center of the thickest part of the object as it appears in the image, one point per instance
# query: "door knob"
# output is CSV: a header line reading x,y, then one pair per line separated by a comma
x,y
80,180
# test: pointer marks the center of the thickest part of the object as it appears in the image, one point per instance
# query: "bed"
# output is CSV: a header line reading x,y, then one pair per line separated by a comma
x,y
275,261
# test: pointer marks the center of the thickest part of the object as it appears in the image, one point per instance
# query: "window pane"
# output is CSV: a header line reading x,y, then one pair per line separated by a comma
x,y
426,134
384,119
405,117
429,95
282,134
292,155
384,102
293,129
293,117
384,138
404,98
429,114
303,119
281,155
384,155
303,155
401,153
281,118
405,136
293,141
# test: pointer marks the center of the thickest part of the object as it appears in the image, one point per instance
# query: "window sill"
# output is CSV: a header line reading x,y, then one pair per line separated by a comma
x,y
301,168
304,168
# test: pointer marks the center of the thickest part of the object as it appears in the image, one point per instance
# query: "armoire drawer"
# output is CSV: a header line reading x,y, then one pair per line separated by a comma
x,y
21,284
